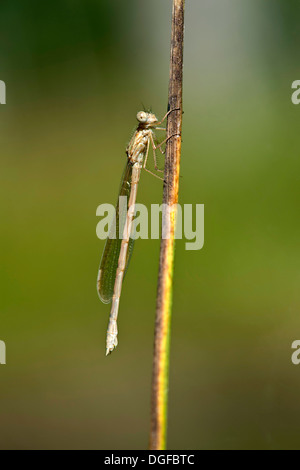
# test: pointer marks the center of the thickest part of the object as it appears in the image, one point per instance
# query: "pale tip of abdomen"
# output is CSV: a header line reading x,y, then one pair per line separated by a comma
x,y
109,349
112,340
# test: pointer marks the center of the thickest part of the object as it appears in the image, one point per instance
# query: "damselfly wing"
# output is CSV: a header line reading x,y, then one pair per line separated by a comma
x,y
111,252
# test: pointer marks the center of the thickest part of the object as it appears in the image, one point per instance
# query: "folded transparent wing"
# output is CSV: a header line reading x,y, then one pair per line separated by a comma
x,y
110,256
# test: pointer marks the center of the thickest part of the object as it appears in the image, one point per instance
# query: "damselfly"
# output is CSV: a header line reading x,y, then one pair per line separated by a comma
x,y
119,244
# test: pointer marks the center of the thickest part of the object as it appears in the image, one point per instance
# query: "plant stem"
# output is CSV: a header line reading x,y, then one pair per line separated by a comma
x,y
160,377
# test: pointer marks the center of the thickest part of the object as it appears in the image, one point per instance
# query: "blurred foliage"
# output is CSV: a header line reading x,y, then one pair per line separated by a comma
x,y
76,74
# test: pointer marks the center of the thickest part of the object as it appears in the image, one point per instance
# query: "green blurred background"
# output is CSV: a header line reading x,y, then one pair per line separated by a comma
x,y
77,72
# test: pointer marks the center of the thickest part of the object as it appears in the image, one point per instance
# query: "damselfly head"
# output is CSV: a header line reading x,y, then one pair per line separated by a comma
x,y
146,118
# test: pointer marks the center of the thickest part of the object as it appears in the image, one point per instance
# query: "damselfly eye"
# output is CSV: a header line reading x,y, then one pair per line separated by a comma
x,y
141,116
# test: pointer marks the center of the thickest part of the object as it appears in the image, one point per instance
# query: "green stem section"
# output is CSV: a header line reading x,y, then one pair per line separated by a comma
x,y
160,376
